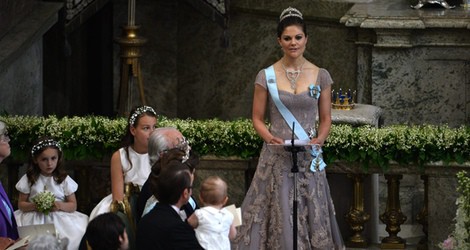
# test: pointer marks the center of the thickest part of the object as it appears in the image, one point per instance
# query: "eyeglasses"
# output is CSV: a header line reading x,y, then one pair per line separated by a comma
x,y
4,138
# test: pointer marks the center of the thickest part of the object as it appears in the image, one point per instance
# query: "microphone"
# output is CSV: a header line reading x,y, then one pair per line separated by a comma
x,y
293,128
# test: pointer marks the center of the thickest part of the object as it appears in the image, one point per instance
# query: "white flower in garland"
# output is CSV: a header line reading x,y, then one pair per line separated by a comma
x,y
460,238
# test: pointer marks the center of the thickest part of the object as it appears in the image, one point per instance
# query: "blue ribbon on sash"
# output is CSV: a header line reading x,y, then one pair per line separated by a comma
x,y
317,163
7,208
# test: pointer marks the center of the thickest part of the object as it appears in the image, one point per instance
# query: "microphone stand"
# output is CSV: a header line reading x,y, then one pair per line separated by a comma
x,y
295,169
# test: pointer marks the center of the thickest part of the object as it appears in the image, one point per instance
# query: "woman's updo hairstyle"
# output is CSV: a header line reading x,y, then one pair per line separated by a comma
x,y
290,16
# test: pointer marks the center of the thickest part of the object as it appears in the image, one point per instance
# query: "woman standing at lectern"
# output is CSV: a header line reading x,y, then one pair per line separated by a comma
x,y
293,90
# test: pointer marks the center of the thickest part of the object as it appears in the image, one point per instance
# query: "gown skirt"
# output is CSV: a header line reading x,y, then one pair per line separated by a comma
x,y
267,209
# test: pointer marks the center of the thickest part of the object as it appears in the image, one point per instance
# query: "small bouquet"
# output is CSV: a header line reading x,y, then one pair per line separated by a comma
x,y
44,201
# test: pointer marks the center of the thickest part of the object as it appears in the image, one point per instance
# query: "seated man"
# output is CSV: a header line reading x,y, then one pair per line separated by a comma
x,y
162,227
160,141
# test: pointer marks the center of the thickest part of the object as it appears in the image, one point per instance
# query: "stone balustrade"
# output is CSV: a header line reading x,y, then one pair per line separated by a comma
x,y
436,215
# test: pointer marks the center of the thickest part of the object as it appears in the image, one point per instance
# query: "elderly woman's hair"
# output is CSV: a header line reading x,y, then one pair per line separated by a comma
x,y
178,155
3,128
172,158
47,242
158,143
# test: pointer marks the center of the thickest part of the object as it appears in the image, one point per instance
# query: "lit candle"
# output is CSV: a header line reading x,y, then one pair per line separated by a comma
x,y
131,13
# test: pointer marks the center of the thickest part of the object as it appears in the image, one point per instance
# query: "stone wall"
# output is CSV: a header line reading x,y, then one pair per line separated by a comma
x,y
401,68
187,73
21,55
24,71
12,12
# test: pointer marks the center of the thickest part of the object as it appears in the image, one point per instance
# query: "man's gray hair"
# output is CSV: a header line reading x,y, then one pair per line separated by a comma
x,y
159,142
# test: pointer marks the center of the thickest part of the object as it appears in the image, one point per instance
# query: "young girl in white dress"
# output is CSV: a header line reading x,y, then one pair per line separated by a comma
x,y
45,173
213,223
130,164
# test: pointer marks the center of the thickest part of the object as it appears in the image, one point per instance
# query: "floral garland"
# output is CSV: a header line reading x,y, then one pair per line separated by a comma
x,y
95,137
460,238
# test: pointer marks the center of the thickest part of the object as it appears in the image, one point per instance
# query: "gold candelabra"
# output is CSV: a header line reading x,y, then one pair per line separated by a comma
x,y
130,44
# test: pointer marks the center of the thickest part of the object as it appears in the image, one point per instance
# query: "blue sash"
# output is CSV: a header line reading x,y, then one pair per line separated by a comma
x,y
316,152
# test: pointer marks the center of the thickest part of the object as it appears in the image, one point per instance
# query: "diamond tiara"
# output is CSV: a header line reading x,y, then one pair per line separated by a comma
x,y
45,143
139,111
290,12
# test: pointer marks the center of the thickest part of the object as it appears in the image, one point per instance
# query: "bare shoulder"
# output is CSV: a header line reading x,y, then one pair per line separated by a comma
x,y
278,66
311,71
309,66
116,158
116,154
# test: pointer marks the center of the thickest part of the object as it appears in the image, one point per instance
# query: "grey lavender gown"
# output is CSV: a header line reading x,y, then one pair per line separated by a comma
x,y
267,207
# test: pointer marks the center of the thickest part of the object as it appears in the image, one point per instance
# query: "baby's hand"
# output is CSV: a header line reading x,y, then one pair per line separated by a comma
x,y
192,220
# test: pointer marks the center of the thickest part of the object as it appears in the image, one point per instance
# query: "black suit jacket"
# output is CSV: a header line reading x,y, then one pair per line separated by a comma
x,y
145,194
162,228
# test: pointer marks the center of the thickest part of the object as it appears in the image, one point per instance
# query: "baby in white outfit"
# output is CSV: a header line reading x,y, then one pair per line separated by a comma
x,y
213,223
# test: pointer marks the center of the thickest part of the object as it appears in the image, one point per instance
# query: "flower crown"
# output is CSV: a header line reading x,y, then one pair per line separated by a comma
x,y
139,111
45,143
290,12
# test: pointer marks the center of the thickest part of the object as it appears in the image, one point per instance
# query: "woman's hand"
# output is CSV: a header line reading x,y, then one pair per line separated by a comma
x,y
276,140
5,243
317,141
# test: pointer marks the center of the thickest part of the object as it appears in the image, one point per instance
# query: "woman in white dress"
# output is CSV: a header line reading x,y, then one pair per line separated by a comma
x,y
45,174
130,164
